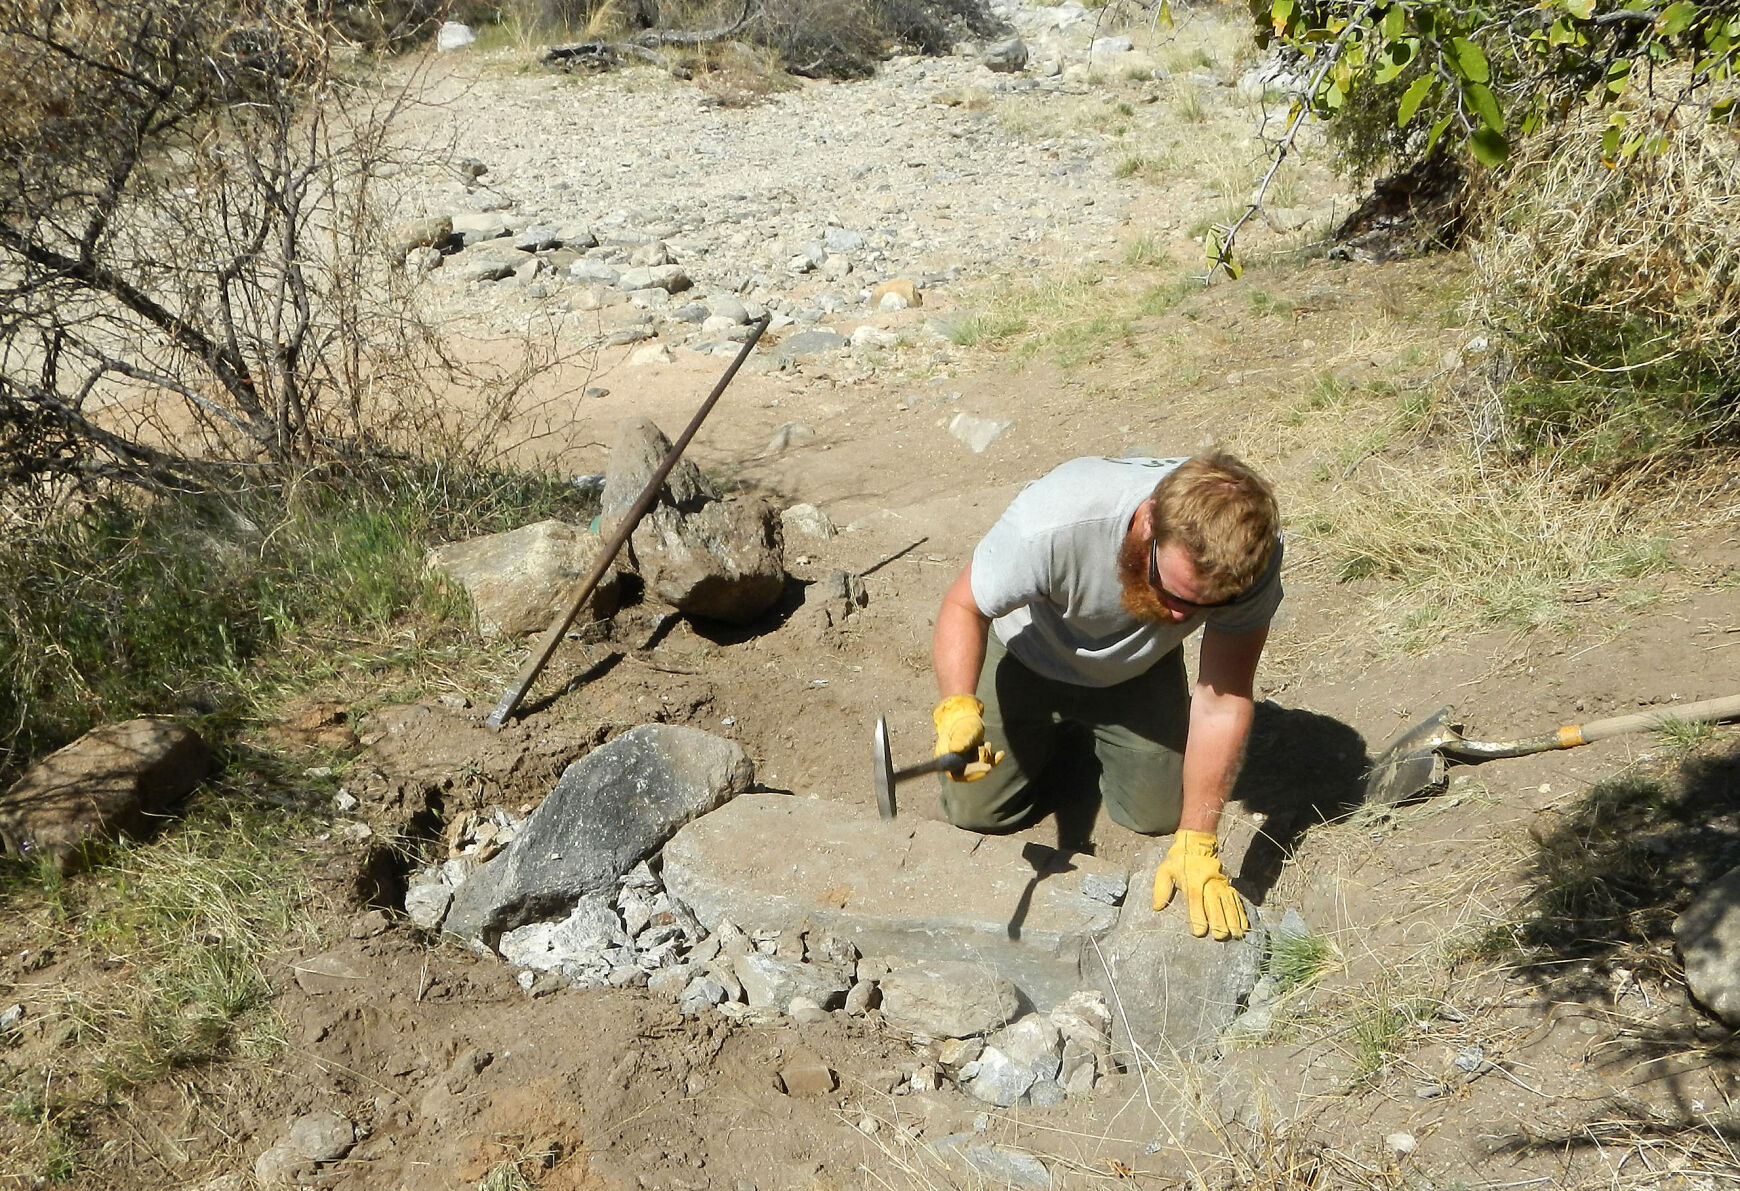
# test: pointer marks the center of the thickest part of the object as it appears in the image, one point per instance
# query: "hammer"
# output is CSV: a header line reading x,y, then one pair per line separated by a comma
x,y
882,768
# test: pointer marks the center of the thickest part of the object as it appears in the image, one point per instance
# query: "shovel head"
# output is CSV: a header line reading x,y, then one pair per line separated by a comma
x,y
1413,764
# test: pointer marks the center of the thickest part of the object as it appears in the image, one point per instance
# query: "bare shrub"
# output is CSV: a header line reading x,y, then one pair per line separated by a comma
x,y
188,264
1612,279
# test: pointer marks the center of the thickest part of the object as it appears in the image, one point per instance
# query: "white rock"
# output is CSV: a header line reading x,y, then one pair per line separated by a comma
x,y
808,520
652,353
977,433
453,36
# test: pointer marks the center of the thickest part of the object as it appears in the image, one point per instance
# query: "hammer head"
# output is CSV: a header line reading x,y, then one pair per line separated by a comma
x,y
882,770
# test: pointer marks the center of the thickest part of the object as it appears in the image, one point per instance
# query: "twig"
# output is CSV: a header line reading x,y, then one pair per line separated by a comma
x,y
663,669
1224,252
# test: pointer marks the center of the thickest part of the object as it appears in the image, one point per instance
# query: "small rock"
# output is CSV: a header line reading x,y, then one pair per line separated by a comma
x,y
1707,937
788,434
805,1011
370,925
322,1136
426,904
977,433
1401,1143
806,1075
453,36
1006,56
279,1166
324,974
808,520
651,354
896,294
860,998
958,1052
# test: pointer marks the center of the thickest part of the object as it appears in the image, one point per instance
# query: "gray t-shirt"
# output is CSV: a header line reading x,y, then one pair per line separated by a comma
x,y
1047,576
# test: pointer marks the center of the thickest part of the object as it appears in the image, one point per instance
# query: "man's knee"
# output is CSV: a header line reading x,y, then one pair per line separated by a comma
x,y
1148,816
1148,801
996,809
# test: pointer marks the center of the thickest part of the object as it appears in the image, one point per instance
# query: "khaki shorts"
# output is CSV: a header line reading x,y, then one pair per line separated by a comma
x,y
1137,728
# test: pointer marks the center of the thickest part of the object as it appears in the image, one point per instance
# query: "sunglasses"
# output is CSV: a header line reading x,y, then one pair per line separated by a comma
x,y
1168,597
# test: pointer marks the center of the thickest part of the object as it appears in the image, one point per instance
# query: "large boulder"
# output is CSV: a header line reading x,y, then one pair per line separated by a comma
x,y
1176,992
120,779
1708,937
707,557
610,810
519,581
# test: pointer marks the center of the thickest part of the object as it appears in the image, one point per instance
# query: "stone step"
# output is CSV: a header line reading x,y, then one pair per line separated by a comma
x,y
912,889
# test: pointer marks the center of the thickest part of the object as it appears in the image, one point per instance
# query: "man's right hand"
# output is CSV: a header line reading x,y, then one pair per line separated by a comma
x,y
960,728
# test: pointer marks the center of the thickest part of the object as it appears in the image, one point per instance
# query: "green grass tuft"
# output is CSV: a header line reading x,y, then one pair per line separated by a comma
x,y
1297,959
185,608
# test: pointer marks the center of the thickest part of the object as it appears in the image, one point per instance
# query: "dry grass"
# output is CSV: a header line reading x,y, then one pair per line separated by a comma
x,y
1610,274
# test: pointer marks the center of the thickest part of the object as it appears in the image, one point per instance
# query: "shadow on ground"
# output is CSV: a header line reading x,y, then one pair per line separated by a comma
x,y
1301,769
1604,886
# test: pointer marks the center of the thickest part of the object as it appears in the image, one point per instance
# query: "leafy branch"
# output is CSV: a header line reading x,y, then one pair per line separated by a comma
x,y
1453,78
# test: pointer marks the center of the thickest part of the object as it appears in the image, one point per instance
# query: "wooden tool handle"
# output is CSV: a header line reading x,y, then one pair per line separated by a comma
x,y
1708,711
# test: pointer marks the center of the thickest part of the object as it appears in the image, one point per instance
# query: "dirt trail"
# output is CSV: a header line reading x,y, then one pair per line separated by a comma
x,y
453,1069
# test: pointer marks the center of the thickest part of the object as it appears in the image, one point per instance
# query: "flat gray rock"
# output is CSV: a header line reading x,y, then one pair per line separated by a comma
x,y
948,999
809,343
997,1165
610,810
911,888
771,983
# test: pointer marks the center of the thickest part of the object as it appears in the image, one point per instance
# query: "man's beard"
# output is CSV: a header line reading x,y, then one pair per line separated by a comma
x,y
1139,598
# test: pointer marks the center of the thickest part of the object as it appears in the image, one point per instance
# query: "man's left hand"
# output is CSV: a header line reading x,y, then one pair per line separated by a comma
x,y
1193,864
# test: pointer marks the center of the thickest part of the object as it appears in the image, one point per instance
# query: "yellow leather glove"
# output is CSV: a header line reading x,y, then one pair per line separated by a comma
x,y
1193,864
960,728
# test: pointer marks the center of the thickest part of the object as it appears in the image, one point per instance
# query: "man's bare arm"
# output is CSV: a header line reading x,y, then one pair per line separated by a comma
x,y
958,645
1221,710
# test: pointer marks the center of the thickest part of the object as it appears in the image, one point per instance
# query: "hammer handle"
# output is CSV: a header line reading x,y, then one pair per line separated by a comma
x,y
947,763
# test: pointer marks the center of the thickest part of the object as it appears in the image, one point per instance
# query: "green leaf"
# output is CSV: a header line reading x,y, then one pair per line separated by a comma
x,y
1438,131
1485,104
1393,22
1581,9
1618,75
1280,12
1675,19
1490,148
1396,57
1411,99
1470,61
1610,145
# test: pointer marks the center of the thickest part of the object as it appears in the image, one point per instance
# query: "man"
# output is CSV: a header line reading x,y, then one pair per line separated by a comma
x,y
1073,610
